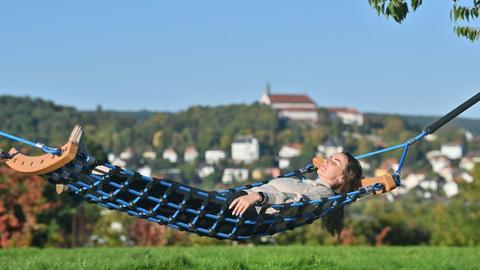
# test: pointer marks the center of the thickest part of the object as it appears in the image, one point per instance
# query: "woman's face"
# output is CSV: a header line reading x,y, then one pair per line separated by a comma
x,y
331,171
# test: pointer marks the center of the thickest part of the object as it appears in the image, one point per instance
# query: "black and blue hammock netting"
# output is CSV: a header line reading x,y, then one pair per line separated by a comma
x,y
182,207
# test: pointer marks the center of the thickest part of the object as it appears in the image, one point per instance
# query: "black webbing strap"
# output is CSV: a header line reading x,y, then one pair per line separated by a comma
x,y
5,156
454,113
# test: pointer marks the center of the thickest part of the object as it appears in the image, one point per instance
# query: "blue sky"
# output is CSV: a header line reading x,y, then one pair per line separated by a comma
x,y
169,55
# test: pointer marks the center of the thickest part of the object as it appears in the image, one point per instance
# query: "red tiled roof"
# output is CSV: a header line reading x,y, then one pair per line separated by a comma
x,y
290,99
295,146
191,149
298,109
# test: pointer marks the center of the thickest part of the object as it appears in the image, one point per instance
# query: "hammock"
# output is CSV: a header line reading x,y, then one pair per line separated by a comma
x,y
186,208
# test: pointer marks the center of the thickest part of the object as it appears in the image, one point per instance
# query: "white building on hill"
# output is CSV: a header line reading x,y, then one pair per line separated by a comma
x,y
170,155
292,106
287,152
190,154
234,174
348,116
452,150
245,149
214,156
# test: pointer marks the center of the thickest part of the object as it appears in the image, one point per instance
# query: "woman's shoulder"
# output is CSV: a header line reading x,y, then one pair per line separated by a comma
x,y
284,179
324,187
320,182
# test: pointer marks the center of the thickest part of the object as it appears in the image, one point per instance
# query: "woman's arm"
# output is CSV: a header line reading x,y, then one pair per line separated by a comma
x,y
242,203
273,196
279,191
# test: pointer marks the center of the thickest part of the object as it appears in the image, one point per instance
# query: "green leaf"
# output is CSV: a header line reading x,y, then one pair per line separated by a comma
x,y
475,12
398,9
416,4
470,33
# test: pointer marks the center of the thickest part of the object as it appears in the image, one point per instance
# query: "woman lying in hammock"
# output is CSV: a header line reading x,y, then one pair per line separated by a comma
x,y
340,173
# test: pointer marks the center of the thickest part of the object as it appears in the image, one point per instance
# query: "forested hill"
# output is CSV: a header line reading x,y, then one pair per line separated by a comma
x,y
204,127
472,125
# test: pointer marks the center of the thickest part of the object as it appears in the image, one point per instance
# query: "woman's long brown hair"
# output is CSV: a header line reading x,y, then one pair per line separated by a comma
x,y
334,221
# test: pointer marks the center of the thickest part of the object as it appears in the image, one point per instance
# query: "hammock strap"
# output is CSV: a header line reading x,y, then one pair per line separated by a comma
x,y
43,147
5,155
454,113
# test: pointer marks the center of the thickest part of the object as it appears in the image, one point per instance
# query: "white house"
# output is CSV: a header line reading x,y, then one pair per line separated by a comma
x,y
452,150
348,116
290,150
116,161
439,163
467,177
292,106
469,135
126,154
146,170
450,189
467,163
438,160
433,154
205,171
190,154
447,173
150,155
286,153
214,156
234,174
412,180
329,148
283,163
429,185
245,149
170,155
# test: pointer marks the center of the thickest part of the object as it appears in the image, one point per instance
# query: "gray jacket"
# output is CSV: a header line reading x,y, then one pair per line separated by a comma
x,y
290,190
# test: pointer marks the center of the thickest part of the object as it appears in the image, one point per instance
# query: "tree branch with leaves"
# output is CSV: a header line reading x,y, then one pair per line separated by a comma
x,y
462,15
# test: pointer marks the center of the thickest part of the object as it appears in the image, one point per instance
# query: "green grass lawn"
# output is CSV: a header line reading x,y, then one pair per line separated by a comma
x,y
243,257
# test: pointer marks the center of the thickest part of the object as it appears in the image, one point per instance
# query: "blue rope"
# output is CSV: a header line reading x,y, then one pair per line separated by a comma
x,y
380,151
402,159
43,147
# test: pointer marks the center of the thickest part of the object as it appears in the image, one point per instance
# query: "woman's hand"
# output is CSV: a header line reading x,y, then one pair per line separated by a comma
x,y
242,203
